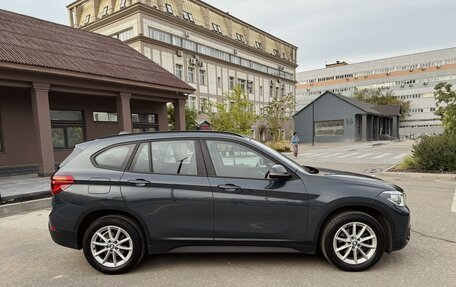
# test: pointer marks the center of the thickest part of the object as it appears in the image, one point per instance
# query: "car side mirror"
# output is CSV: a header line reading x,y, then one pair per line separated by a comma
x,y
278,171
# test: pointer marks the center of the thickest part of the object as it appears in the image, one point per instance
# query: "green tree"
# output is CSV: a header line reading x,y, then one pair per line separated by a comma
x,y
235,114
277,112
190,118
446,106
377,97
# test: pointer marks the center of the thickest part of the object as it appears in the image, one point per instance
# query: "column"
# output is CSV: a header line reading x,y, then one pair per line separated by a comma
x,y
377,129
179,114
42,125
162,116
395,127
371,128
364,128
124,112
70,12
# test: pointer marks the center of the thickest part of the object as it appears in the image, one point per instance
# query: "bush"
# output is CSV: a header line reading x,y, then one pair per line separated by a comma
x,y
436,153
408,163
280,146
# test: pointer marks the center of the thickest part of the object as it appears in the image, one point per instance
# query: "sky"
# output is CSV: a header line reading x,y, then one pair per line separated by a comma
x,y
324,31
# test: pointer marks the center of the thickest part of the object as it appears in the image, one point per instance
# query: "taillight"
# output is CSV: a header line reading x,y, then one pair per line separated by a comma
x,y
60,182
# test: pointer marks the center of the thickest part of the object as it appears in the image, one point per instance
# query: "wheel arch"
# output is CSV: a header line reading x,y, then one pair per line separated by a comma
x,y
93,215
374,212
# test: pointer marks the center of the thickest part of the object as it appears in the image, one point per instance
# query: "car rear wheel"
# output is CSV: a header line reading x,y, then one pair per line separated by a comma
x,y
353,241
113,244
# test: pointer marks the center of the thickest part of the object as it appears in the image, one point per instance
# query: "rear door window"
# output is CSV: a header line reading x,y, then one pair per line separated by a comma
x,y
115,157
174,157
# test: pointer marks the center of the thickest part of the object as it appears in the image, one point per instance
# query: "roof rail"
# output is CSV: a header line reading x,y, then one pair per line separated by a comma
x,y
126,134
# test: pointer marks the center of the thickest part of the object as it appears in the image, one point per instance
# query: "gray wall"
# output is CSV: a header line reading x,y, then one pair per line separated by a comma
x,y
327,107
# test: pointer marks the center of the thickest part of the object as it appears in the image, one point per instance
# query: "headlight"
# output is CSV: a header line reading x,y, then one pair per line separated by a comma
x,y
395,197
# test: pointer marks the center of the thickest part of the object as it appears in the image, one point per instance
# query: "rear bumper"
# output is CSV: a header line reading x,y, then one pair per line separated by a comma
x,y
64,238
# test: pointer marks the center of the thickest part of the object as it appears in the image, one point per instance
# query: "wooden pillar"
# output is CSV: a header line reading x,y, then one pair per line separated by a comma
x,y
43,131
124,112
179,115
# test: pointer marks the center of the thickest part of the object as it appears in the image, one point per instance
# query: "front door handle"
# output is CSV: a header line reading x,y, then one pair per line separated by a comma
x,y
138,182
229,187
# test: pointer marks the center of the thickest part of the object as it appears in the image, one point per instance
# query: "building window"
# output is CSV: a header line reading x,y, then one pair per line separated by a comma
x,y
275,52
202,77
188,16
67,128
191,102
242,84
169,8
105,11
231,83
144,122
203,105
123,3
105,117
219,82
250,87
240,37
258,45
261,90
124,35
179,71
216,28
87,19
329,128
191,75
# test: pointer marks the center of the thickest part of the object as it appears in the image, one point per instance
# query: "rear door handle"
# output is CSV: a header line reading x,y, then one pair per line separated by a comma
x,y
229,187
138,182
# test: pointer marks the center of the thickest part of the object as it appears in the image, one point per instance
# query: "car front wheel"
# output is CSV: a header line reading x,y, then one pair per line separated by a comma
x,y
353,241
113,244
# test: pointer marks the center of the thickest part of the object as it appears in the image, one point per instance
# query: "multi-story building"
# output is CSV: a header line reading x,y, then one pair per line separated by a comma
x,y
209,49
410,77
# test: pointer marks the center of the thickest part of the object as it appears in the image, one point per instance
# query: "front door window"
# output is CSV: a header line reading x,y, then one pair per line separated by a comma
x,y
235,160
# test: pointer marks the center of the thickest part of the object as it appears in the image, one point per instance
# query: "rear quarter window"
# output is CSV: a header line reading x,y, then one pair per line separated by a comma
x,y
115,157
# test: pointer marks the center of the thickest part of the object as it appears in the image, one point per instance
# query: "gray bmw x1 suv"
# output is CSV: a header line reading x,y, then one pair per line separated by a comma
x,y
121,197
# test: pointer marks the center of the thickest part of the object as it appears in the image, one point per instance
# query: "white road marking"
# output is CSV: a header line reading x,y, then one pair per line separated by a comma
x,y
319,154
307,153
332,154
380,156
347,155
364,155
401,155
453,206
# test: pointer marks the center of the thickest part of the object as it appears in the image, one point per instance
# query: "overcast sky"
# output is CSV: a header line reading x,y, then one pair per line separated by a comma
x,y
323,30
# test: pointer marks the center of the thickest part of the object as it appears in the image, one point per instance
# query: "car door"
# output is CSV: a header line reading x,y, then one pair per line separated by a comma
x,y
247,204
166,184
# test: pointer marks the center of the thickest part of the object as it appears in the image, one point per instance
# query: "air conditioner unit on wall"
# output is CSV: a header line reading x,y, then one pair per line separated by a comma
x,y
200,63
179,53
272,83
192,61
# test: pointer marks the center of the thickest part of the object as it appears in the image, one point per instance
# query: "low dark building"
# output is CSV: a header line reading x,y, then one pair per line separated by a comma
x,y
60,86
332,117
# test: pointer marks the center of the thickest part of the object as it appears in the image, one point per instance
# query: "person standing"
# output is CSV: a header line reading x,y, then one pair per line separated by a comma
x,y
294,143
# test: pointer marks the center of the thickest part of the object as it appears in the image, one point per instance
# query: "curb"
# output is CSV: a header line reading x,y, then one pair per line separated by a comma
x,y
439,176
24,197
26,206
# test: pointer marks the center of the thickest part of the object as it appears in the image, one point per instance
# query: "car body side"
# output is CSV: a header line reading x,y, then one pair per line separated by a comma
x,y
322,195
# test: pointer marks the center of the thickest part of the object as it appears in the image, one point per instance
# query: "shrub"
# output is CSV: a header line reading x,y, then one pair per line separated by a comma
x,y
436,153
280,146
408,163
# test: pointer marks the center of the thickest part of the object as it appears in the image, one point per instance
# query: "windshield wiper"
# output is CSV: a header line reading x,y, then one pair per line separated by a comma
x,y
180,164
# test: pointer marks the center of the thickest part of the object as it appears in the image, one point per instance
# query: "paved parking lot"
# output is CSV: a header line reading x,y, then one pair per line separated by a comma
x,y
30,258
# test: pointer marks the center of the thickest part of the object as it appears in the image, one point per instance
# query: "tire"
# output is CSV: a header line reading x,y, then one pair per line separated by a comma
x,y
348,253
116,253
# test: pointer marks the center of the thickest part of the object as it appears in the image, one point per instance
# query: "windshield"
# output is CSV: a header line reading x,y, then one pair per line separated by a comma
x,y
288,161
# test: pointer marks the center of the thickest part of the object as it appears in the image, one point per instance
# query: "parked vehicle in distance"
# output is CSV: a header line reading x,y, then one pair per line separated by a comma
x,y
121,197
